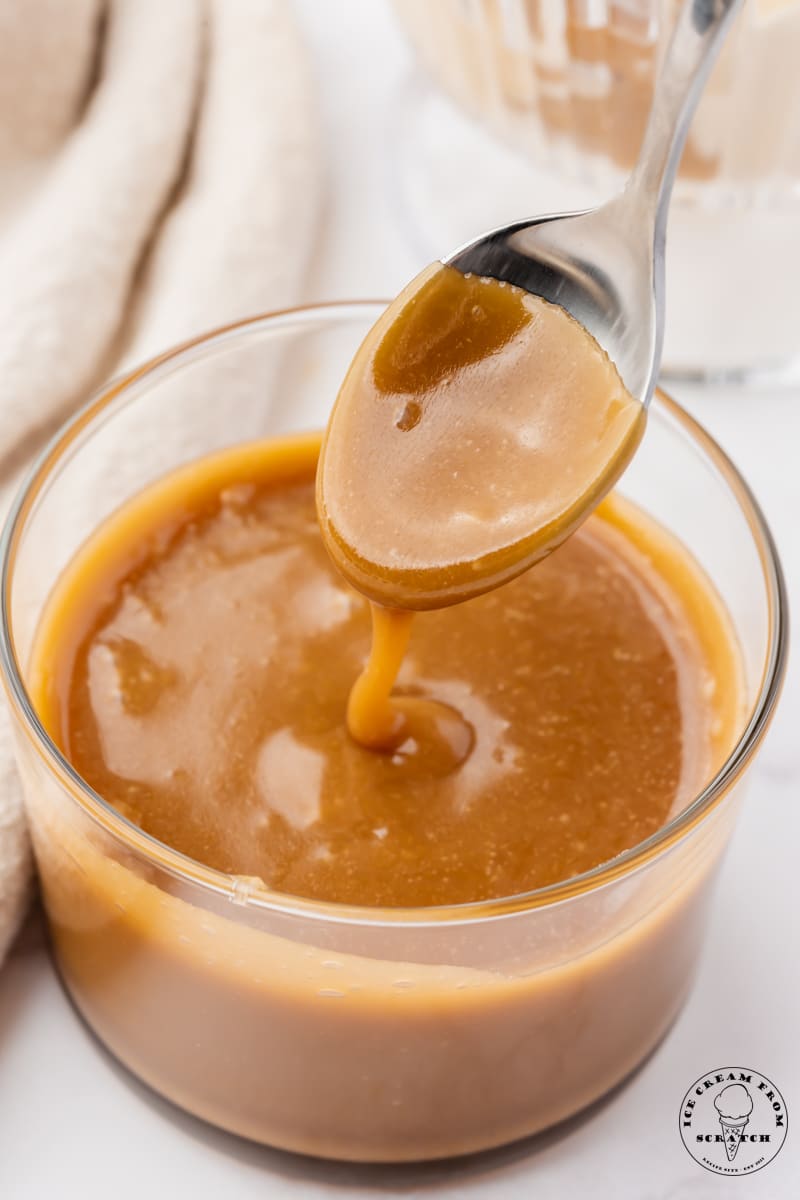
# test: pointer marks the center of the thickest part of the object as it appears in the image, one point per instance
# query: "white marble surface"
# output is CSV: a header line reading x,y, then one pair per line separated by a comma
x,y
73,1124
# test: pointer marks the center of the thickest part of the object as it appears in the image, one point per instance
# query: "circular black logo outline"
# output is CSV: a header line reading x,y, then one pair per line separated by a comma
x,y
730,1075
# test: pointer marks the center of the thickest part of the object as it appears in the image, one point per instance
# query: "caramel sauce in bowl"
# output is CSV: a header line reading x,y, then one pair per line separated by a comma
x,y
375,1032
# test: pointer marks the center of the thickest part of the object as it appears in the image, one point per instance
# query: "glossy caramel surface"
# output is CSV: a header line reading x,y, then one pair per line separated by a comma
x,y
196,659
476,428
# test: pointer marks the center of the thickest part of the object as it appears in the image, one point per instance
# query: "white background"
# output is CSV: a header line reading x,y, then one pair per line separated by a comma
x,y
73,1124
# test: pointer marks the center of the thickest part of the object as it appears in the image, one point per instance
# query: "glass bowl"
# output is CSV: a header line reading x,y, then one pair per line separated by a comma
x,y
361,1033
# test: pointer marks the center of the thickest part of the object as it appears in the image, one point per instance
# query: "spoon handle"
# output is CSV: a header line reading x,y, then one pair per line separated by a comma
x,y
700,30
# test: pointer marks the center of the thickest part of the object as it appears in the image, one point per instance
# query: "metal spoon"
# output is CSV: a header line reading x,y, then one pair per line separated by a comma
x,y
605,266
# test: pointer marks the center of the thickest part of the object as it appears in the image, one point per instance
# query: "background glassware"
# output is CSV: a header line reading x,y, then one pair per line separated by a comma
x,y
345,1031
568,84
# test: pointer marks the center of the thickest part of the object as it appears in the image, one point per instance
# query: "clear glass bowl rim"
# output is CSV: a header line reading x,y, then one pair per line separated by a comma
x,y
187,870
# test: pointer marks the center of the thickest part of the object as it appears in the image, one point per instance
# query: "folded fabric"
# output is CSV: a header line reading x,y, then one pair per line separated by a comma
x,y
159,175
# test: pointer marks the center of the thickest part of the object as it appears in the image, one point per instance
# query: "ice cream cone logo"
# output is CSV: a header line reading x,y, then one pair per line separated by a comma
x,y
733,1121
734,1105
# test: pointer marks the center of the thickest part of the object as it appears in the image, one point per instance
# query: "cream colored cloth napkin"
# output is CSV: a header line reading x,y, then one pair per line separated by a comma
x,y
158,176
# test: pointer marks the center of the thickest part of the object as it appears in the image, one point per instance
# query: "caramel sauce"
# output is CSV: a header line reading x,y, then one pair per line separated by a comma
x,y
476,428
195,663
196,660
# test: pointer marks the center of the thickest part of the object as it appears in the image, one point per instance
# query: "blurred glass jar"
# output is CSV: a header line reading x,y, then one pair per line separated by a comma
x,y
569,83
